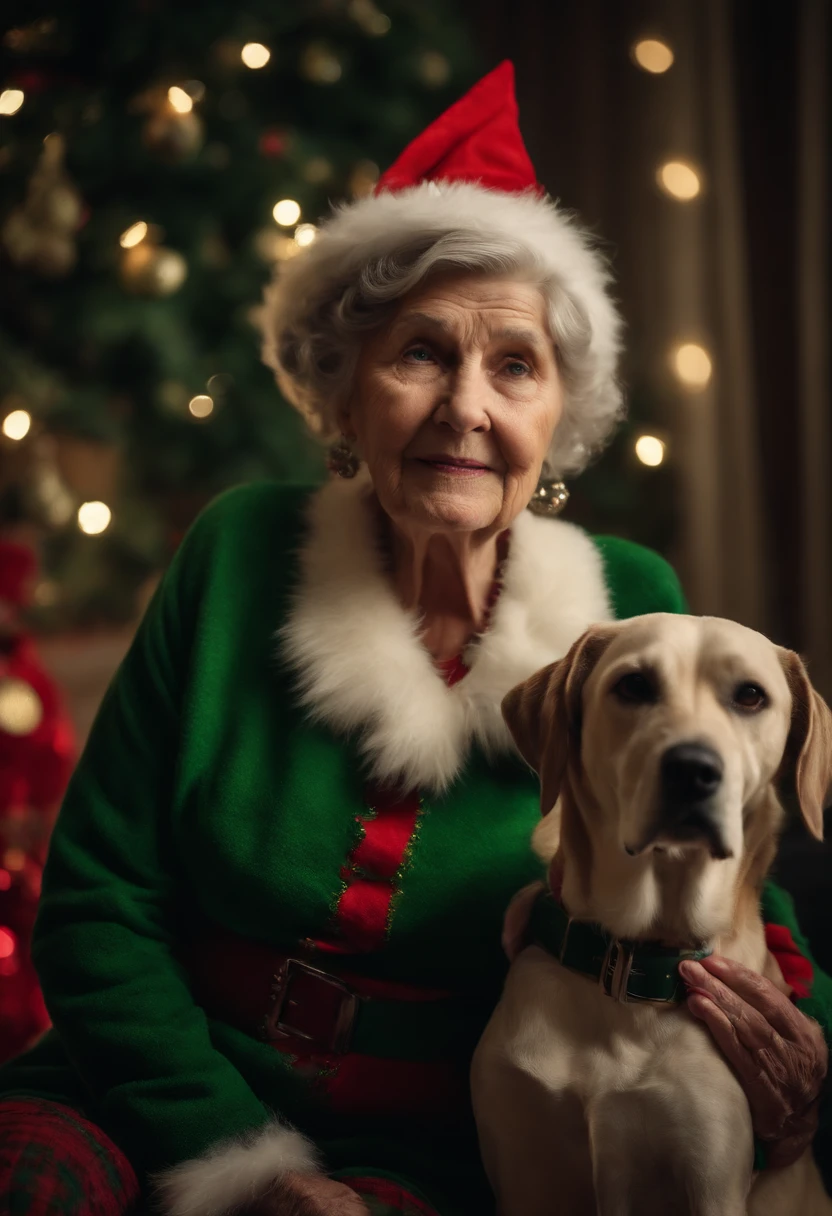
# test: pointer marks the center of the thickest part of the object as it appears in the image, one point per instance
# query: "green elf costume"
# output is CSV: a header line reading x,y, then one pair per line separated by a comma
x,y
270,928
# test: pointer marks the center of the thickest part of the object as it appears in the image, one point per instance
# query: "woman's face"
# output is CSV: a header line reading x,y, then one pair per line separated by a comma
x,y
455,403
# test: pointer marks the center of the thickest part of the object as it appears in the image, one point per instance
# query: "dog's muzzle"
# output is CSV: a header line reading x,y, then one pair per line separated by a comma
x,y
690,776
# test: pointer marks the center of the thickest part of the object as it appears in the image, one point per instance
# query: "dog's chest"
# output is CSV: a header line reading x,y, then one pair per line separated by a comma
x,y
576,1038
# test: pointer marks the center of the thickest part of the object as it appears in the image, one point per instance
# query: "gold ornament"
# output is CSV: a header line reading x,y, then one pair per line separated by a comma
x,y
372,20
152,270
29,39
363,178
40,232
173,136
434,69
21,711
317,170
270,245
320,64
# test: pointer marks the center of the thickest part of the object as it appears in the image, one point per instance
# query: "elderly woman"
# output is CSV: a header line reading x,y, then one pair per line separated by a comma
x,y
270,929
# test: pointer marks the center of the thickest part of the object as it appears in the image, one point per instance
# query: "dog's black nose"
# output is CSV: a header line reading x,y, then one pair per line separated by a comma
x,y
690,773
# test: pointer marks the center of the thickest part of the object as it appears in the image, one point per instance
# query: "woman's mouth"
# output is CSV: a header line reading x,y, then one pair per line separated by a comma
x,y
454,466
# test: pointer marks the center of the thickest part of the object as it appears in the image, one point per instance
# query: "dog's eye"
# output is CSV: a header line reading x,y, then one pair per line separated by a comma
x,y
635,688
750,697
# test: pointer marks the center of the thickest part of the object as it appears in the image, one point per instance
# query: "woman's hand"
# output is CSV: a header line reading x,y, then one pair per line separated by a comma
x,y
778,1054
308,1195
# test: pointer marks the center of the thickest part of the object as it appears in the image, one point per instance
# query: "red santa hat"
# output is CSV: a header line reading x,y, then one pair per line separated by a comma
x,y
468,172
477,140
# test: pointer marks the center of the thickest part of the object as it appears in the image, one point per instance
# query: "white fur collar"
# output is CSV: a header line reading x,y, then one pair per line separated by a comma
x,y
362,668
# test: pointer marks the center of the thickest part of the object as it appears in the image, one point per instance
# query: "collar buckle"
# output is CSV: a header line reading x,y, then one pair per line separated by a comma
x,y
616,967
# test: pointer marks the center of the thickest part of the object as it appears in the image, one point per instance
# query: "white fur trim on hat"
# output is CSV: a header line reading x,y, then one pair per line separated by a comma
x,y
360,233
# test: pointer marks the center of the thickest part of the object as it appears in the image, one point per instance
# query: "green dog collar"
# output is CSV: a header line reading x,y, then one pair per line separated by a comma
x,y
625,970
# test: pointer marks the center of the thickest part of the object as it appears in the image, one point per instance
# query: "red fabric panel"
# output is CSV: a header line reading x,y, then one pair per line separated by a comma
x,y
361,919
355,1085
797,970
386,837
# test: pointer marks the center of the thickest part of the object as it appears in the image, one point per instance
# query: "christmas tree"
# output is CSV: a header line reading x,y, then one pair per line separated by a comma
x,y
156,161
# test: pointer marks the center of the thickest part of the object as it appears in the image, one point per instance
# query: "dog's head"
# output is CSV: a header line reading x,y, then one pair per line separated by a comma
x,y
678,727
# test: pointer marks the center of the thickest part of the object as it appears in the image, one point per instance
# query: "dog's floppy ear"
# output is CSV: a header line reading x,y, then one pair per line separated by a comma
x,y
807,761
544,712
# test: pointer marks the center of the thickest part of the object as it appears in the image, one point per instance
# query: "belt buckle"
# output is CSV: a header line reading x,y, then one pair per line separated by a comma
x,y
615,970
278,1023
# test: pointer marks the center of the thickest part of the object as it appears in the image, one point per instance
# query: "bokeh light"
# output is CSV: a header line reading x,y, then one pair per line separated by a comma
x,y
692,364
94,517
16,424
286,212
133,235
650,450
679,180
181,101
201,406
255,55
305,234
11,100
654,56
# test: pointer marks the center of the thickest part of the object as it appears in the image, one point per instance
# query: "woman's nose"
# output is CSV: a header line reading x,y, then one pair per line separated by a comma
x,y
462,405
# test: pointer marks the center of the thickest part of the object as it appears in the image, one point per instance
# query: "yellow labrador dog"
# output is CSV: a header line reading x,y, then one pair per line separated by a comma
x,y
664,741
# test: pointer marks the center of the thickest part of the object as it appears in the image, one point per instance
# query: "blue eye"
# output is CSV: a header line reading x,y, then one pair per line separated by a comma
x,y
516,368
420,354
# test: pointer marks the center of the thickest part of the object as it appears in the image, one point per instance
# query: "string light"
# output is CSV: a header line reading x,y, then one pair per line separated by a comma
x,y
305,234
650,450
679,180
692,365
94,517
21,712
201,406
181,101
16,424
255,55
7,942
286,212
11,100
133,235
653,56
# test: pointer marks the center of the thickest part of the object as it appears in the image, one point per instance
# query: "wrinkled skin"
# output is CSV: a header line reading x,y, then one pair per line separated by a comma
x,y
308,1195
778,1054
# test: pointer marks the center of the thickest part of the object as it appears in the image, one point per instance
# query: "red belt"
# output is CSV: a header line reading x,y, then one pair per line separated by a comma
x,y
297,1006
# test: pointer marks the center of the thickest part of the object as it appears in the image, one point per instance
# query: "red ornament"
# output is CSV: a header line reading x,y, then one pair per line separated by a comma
x,y
37,751
273,143
476,140
31,81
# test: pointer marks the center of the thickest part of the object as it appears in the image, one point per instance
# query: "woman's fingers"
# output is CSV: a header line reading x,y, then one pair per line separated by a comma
x,y
755,989
746,1061
778,1054
751,1029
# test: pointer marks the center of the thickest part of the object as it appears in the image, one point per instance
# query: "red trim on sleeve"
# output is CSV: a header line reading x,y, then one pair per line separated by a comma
x,y
796,968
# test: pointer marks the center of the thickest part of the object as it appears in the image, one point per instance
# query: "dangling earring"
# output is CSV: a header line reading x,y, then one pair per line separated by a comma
x,y
341,460
549,498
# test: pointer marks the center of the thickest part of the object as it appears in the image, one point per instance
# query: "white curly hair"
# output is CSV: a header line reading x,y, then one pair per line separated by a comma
x,y
369,254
